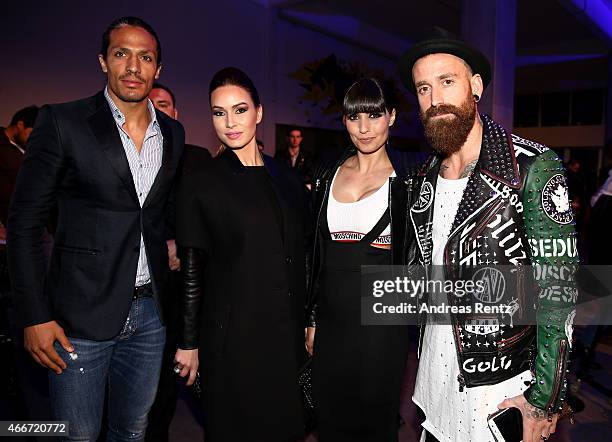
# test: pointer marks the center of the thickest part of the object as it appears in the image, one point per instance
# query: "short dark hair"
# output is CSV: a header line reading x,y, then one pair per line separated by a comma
x,y
167,89
366,96
27,115
232,76
129,21
292,128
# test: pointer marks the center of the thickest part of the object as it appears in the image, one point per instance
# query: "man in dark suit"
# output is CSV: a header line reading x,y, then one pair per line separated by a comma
x,y
108,163
32,379
164,100
13,139
162,410
297,158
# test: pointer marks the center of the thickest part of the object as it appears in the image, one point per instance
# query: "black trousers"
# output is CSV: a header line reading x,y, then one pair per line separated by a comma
x,y
162,411
164,406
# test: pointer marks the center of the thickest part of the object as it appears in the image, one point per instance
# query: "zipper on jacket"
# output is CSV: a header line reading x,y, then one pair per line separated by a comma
x,y
554,398
316,228
456,338
410,182
520,289
391,179
315,239
512,339
491,212
421,334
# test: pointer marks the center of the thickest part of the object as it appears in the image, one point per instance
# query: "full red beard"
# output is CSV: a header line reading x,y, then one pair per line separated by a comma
x,y
446,136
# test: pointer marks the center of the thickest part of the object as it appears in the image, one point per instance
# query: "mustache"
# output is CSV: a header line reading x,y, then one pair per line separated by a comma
x,y
441,110
132,76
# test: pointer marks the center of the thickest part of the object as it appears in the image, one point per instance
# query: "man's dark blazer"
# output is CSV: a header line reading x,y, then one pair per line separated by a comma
x,y
75,159
304,163
194,158
10,161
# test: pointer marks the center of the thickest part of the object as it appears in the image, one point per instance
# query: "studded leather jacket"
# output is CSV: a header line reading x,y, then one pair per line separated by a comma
x,y
514,212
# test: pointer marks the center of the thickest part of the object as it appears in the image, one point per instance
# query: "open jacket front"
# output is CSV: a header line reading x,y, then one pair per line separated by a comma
x,y
401,187
514,212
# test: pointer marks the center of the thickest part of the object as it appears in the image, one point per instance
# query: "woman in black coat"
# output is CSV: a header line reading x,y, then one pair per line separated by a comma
x,y
240,232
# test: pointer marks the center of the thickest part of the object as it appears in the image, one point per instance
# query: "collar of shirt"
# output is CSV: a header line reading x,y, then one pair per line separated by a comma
x,y
120,118
17,146
4,138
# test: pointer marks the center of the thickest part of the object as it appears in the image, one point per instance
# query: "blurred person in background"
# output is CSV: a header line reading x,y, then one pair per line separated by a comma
x,y
163,408
296,157
13,140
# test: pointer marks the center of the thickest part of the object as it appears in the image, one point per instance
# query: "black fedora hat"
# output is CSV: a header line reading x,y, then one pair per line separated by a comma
x,y
441,41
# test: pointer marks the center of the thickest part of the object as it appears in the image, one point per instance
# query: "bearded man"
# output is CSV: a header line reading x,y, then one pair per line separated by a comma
x,y
487,199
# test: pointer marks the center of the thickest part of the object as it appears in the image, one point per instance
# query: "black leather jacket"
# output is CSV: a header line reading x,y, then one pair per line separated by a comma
x,y
401,189
513,212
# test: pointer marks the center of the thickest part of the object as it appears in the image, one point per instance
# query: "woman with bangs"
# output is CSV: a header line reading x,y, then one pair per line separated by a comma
x,y
240,232
360,203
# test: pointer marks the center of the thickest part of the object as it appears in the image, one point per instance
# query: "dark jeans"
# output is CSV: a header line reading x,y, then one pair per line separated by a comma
x,y
128,364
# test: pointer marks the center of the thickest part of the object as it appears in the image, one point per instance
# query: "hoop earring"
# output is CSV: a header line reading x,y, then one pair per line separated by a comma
x,y
476,98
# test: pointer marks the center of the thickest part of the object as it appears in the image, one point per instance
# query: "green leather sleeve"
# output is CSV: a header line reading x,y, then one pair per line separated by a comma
x,y
551,235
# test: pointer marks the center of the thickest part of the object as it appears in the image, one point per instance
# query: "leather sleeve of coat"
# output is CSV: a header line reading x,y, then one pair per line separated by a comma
x,y
191,275
313,251
193,243
308,237
312,258
552,243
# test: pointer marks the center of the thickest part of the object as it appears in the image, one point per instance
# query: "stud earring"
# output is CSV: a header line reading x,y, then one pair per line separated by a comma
x,y
476,98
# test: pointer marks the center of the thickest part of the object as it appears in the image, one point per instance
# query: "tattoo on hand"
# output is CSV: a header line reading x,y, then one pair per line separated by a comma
x,y
469,169
534,412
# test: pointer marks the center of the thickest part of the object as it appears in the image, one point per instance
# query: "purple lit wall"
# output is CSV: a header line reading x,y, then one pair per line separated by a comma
x,y
50,55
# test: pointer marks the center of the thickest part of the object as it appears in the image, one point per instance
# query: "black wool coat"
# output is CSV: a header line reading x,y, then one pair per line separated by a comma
x,y
251,329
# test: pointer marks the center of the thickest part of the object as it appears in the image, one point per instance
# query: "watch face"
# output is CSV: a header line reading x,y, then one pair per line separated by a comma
x,y
555,200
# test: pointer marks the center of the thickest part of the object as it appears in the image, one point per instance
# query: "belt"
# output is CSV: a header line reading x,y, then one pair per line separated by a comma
x,y
143,291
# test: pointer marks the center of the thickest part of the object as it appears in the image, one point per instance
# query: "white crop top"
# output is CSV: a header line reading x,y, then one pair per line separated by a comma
x,y
350,222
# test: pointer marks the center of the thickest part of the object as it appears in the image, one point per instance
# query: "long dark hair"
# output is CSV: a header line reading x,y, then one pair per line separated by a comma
x,y
232,76
366,96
